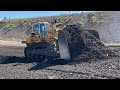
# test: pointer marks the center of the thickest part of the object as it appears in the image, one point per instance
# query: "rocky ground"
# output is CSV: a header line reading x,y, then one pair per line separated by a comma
x,y
13,65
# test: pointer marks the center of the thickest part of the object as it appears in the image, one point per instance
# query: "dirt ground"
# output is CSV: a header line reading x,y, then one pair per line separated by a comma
x,y
10,43
13,65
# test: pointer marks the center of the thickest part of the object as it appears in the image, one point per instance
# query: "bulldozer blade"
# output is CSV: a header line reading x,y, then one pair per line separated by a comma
x,y
63,45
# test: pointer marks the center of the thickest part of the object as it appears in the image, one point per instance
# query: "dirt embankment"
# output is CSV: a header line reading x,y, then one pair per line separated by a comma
x,y
107,25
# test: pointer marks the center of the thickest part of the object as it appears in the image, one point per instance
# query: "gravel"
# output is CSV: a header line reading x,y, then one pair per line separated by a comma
x,y
15,66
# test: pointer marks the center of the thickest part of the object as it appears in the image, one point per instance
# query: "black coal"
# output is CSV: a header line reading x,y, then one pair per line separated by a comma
x,y
83,45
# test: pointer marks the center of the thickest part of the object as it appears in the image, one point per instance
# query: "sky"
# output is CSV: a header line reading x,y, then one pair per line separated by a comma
x,y
29,14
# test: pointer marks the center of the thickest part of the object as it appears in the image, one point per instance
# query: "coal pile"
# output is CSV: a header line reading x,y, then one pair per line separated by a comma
x,y
84,46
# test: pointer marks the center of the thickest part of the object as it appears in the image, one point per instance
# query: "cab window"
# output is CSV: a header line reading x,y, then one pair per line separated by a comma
x,y
42,29
36,28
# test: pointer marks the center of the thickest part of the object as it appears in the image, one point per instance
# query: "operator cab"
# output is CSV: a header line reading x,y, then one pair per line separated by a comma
x,y
41,28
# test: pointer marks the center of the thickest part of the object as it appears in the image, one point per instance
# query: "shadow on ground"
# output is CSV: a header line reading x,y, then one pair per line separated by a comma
x,y
40,64
48,63
14,59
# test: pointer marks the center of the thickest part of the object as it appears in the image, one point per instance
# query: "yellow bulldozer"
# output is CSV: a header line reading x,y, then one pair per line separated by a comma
x,y
48,41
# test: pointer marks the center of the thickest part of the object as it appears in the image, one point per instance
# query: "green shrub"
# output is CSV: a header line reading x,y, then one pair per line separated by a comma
x,y
81,23
2,25
92,14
